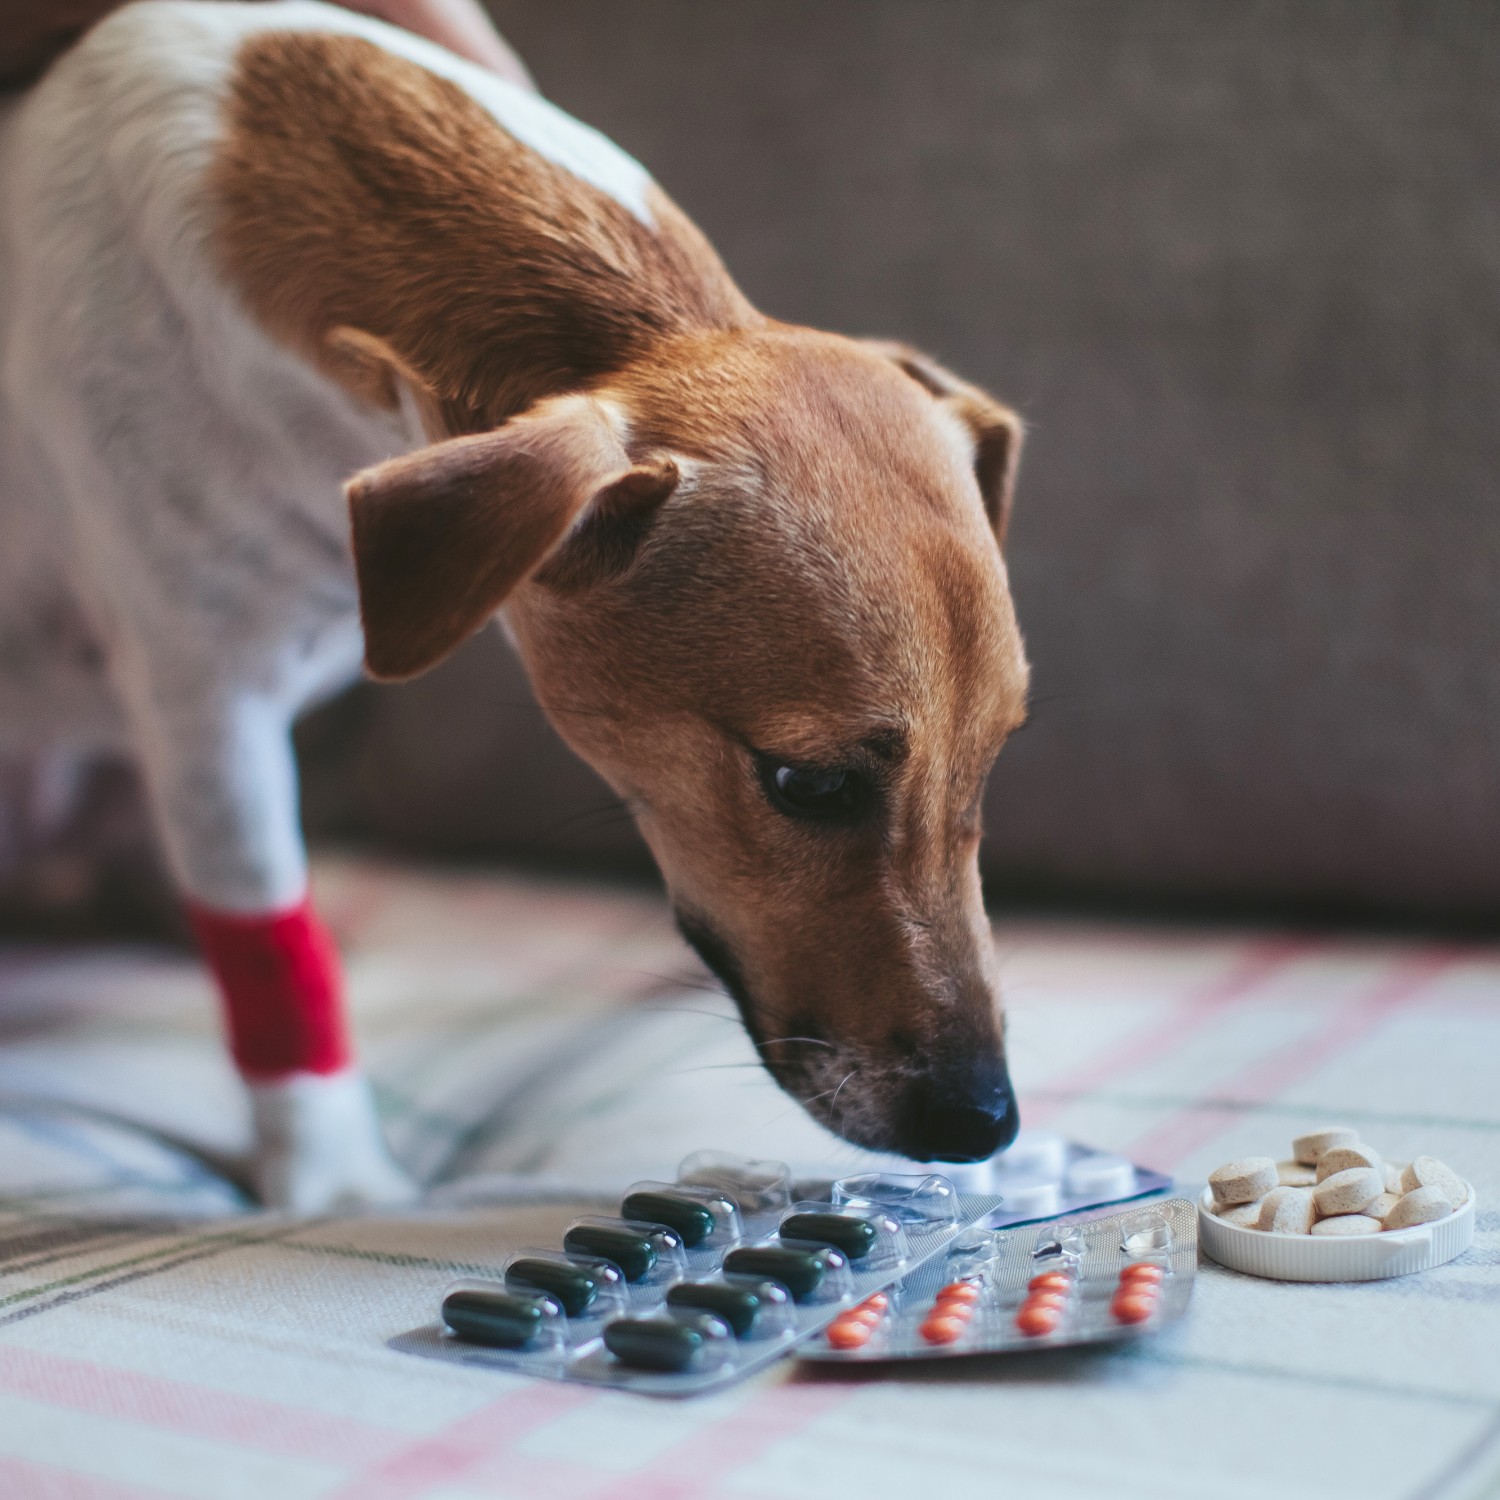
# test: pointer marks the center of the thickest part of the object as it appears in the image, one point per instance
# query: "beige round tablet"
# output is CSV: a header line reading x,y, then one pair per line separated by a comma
x,y
1241,1181
1241,1215
1348,1192
1420,1206
1341,1158
1344,1224
1287,1210
1308,1148
1393,1171
1381,1206
1294,1174
1428,1171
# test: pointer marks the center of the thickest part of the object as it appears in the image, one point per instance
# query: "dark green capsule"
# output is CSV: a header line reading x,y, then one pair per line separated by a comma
x,y
799,1271
692,1221
656,1343
854,1236
736,1305
631,1251
501,1319
575,1287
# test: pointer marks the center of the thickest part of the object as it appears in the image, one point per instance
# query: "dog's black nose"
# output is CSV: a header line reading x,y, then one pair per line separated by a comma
x,y
966,1134
938,1124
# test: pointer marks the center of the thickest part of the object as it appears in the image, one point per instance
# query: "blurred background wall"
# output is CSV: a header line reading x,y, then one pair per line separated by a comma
x,y
1239,267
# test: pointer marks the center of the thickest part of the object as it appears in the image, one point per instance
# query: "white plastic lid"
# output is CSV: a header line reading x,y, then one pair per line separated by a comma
x,y
1311,1257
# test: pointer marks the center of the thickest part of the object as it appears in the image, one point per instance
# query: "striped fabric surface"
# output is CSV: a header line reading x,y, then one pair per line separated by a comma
x,y
537,1047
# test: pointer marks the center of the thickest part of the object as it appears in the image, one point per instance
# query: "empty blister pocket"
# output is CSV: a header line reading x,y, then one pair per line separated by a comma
x,y
924,1198
756,1186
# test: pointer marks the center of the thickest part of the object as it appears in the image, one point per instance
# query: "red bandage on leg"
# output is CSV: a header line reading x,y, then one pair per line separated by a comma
x,y
282,987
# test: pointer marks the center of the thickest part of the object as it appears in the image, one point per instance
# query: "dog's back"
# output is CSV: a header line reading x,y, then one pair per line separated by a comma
x,y
168,459
169,470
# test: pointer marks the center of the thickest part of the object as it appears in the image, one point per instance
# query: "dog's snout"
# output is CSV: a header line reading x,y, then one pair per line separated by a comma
x,y
944,1118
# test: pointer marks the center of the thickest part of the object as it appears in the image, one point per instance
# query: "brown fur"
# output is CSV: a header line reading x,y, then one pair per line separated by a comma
x,y
355,166
721,538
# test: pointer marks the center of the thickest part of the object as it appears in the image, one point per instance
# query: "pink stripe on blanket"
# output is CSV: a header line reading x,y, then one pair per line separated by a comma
x,y
176,1406
20,1480
1160,1039
707,1463
1178,1137
478,1451
464,1445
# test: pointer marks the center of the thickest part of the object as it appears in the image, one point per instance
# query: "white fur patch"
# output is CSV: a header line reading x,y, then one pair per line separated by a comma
x,y
318,1145
564,141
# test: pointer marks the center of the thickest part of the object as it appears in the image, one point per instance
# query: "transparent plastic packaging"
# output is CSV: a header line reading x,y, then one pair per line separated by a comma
x,y
756,1186
647,1254
491,1314
671,1342
703,1279
815,1274
1064,1242
1147,1234
1037,1286
706,1219
910,1198
754,1308
975,1254
584,1286
869,1236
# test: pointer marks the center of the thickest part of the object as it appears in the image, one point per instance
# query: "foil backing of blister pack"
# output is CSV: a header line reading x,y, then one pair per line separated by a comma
x,y
585,1358
1020,1254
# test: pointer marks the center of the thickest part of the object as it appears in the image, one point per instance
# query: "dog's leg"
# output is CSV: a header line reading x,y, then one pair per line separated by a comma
x,y
223,778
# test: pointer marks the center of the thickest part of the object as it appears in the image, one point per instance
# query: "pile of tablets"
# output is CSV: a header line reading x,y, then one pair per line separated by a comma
x,y
1336,1210
1334,1185
1041,1286
699,1281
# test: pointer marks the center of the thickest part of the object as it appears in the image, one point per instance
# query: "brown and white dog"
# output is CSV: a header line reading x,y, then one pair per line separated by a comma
x,y
755,571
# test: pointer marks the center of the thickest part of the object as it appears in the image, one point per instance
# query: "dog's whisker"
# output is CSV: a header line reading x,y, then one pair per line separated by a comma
x,y
714,1068
686,1010
833,1103
834,1091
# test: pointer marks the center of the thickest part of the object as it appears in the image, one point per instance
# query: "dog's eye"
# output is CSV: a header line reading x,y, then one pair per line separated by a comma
x,y
825,793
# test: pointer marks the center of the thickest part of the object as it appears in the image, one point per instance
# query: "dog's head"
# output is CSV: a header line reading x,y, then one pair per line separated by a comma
x,y
757,580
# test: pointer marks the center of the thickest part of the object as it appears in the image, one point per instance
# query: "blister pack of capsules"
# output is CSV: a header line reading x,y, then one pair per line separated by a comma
x,y
1039,1286
700,1281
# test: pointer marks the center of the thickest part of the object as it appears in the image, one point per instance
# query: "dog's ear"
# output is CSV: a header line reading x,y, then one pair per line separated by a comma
x,y
442,535
996,429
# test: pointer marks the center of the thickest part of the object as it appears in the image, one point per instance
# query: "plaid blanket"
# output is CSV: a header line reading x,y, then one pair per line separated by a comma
x,y
538,1046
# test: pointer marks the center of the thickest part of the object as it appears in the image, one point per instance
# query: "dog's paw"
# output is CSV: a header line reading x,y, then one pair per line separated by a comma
x,y
318,1146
